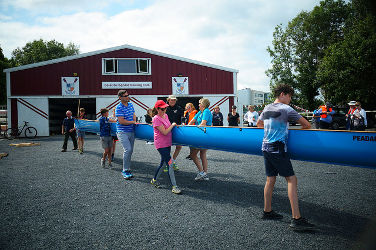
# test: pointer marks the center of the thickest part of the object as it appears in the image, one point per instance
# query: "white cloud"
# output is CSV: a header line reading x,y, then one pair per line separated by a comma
x,y
232,34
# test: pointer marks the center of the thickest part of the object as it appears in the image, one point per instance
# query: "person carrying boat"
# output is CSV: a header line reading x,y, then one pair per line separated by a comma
x,y
275,120
126,119
162,142
114,138
325,112
233,117
189,114
217,117
105,137
175,113
251,116
81,134
202,118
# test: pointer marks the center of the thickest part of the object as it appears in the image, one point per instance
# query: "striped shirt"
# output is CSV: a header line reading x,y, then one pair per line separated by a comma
x,y
127,113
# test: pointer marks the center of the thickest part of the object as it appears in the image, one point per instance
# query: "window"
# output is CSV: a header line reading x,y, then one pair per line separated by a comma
x,y
126,66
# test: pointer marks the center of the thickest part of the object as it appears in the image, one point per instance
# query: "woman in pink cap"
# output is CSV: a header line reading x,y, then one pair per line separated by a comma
x,y
162,142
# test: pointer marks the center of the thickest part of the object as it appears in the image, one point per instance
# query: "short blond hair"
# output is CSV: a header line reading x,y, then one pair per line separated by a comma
x,y
205,102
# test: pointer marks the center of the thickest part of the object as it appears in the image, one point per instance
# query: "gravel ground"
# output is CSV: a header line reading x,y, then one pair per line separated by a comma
x,y
55,200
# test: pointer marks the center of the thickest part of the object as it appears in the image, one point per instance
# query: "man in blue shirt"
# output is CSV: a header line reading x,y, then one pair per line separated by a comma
x,y
275,120
325,112
126,119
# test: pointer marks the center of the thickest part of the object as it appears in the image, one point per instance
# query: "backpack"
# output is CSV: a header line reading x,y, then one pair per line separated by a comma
x,y
357,122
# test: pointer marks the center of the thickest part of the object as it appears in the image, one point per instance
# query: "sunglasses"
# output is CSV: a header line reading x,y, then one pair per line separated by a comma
x,y
124,95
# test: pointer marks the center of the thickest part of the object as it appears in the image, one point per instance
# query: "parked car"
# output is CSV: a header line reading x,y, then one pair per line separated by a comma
x,y
339,120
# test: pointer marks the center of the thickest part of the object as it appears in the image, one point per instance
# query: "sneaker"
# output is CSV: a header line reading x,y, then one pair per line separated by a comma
x,y
74,148
81,151
110,165
155,183
126,174
175,167
103,163
63,150
271,216
188,157
199,176
301,224
176,190
205,177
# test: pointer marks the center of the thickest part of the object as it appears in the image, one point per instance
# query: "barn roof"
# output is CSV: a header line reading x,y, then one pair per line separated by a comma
x,y
68,58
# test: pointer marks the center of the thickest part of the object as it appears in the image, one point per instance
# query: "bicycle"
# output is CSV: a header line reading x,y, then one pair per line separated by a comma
x,y
30,132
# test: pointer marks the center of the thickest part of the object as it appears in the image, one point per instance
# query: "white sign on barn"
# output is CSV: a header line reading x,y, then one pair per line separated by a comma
x,y
180,86
70,86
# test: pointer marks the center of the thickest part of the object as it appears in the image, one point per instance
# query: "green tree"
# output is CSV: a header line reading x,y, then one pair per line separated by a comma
x,y
347,71
4,64
39,50
299,48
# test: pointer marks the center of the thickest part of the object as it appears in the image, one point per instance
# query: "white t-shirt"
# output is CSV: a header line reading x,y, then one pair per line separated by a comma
x,y
251,117
362,112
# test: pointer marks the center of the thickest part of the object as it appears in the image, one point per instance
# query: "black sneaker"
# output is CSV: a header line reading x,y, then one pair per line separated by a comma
x,y
301,224
271,216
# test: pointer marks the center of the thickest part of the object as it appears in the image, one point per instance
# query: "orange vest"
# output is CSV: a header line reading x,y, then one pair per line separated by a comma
x,y
191,115
323,109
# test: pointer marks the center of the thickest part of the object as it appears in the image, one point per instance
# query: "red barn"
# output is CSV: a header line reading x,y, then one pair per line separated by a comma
x,y
40,93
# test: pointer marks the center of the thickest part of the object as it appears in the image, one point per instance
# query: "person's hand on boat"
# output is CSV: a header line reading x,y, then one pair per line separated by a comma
x,y
174,124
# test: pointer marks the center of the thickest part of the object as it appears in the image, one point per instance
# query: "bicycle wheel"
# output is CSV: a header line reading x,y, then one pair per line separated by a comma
x,y
31,132
11,133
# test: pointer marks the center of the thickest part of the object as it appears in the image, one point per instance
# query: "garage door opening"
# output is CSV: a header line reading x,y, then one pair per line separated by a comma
x,y
58,107
182,101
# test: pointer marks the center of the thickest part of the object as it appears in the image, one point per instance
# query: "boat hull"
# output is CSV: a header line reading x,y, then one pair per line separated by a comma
x,y
328,146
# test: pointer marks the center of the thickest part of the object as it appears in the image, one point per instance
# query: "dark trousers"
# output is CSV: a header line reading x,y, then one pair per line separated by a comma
x,y
66,137
324,125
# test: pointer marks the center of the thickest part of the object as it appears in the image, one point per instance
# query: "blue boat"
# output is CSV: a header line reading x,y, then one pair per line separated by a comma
x,y
350,148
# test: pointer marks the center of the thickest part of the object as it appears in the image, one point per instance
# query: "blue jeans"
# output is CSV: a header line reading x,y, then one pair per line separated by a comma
x,y
127,141
165,159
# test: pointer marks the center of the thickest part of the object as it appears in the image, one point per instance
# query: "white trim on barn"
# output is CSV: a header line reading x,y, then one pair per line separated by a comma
x,y
68,58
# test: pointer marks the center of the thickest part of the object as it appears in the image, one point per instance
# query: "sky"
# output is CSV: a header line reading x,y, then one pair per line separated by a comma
x,y
229,33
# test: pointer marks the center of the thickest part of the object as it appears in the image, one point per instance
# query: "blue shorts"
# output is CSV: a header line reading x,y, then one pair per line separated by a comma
x,y
80,133
277,163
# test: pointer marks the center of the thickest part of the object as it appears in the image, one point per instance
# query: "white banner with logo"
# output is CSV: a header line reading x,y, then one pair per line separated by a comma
x,y
70,86
180,86
127,85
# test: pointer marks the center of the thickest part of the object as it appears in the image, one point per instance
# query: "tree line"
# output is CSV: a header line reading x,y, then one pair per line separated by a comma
x,y
328,54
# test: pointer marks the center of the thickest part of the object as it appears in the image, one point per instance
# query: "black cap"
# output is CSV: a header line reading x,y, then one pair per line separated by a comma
x,y
233,107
